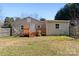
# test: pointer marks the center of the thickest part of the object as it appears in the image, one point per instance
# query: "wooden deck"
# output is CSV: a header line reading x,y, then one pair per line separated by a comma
x,y
38,32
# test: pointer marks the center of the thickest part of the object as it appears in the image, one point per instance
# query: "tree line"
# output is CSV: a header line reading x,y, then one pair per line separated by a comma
x,y
68,12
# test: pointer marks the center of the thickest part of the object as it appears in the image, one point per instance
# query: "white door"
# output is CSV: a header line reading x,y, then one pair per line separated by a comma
x,y
32,27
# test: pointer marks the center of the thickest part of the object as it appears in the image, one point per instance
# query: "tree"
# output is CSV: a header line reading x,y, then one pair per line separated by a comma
x,y
8,22
42,19
68,12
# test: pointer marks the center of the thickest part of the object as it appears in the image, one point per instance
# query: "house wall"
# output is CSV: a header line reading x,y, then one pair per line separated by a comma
x,y
63,28
42,25
16,26
36,22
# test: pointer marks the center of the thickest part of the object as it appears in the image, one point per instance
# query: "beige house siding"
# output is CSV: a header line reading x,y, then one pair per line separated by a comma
x,y
37,23
63,27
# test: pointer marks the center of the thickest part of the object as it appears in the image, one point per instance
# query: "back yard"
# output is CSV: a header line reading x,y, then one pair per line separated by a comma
x,y
38,46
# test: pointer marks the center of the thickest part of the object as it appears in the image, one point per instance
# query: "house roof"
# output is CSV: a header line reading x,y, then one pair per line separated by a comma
x,y
31,18
49,21
58,21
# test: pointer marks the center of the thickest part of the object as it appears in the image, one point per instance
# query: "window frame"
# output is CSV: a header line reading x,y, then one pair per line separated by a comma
x,y
57,26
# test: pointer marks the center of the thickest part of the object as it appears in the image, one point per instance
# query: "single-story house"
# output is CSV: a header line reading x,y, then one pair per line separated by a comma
x,y
28,26
33,27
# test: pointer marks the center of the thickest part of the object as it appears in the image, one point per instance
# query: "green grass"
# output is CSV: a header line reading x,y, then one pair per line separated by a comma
x,y
38,46
60,38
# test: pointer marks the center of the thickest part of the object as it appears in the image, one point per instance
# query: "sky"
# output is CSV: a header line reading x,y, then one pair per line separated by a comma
x,y
36,10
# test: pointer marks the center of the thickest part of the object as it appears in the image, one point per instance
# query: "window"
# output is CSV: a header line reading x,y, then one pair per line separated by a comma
x,y
57,26
39,26
22,26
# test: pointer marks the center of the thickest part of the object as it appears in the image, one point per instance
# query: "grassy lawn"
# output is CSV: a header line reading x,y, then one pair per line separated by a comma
x,y
38,46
